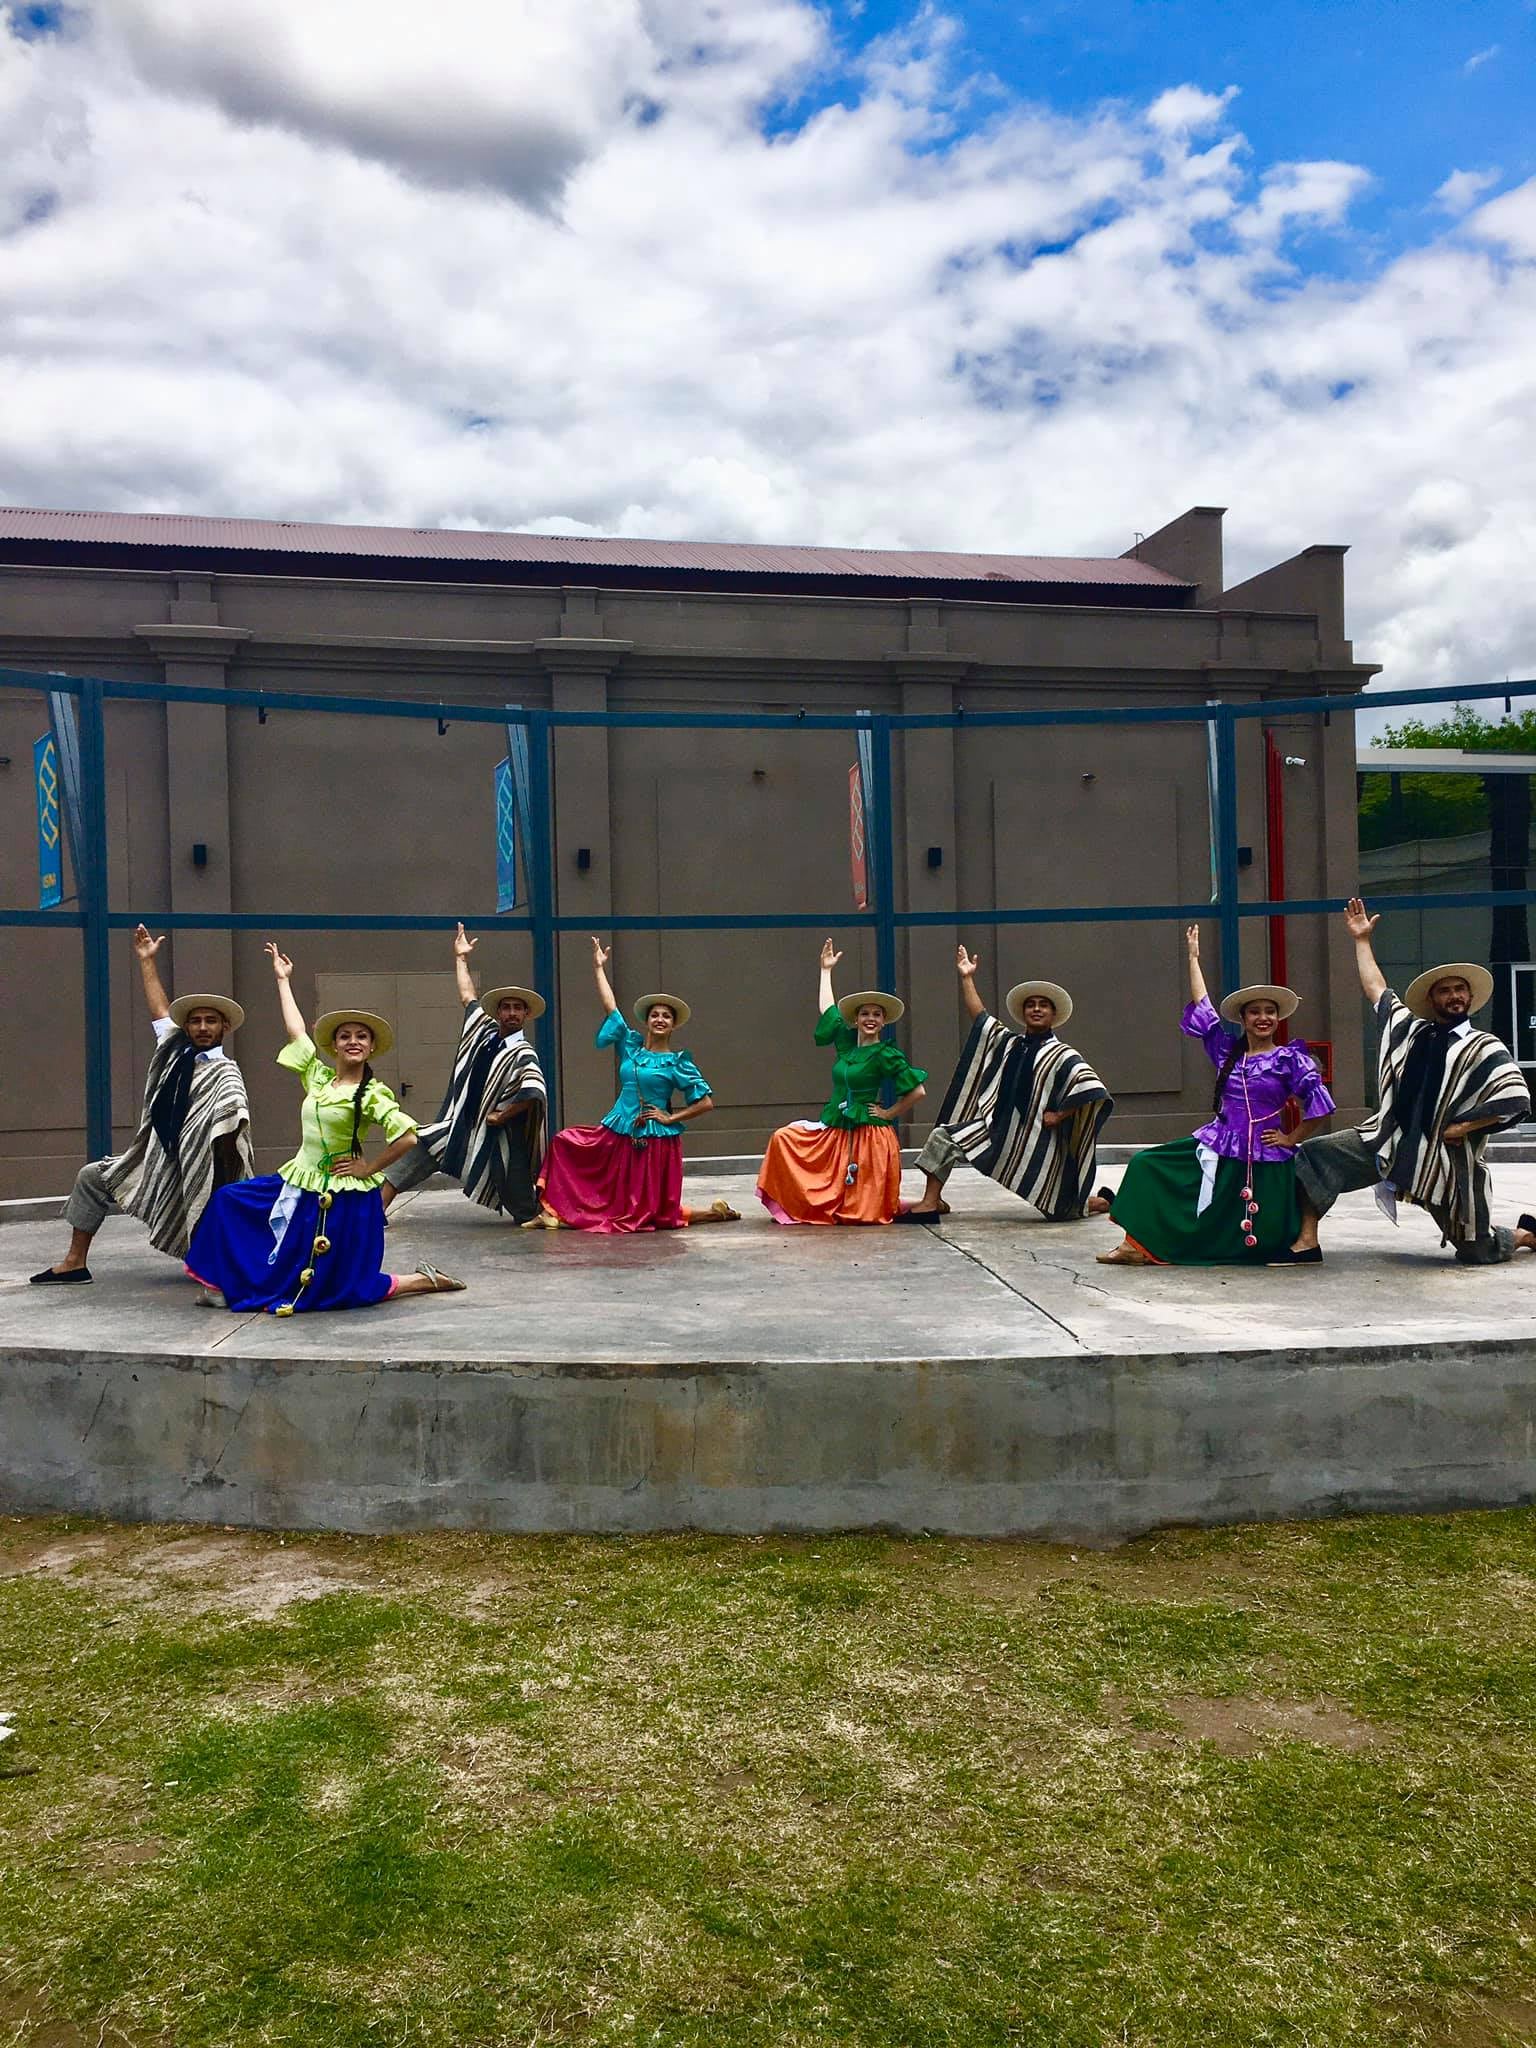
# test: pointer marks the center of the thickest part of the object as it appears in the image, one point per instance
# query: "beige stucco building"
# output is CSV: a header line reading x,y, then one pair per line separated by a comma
x,y
323,813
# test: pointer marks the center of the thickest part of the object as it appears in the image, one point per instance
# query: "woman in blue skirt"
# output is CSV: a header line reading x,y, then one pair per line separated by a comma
x,y
311,1235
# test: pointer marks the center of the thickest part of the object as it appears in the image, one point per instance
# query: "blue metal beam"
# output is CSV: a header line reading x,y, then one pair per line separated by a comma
x,y
540,866
94,883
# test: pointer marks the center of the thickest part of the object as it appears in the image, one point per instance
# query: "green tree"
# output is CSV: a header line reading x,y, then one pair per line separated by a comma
x,y
1468,731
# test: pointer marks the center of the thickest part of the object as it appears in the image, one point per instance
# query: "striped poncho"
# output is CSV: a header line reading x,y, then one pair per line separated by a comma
x,y
169,1187
497,1163
1480,1080
995,1108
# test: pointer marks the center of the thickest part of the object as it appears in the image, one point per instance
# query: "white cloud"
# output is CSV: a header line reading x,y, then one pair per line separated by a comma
x,y
686,311
1481,57
1463,189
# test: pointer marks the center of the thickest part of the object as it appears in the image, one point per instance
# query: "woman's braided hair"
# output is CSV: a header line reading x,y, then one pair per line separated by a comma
x,y
357,1109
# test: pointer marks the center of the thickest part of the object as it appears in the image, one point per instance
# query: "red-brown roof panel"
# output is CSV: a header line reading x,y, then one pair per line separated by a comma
x,y
295,537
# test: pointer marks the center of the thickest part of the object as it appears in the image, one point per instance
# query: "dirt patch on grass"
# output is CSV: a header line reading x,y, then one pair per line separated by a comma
x,y
29,2022
126,1855
1486,2023
1242,1727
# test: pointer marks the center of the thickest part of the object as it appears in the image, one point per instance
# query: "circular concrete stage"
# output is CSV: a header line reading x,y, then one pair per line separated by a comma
x,y
984,1379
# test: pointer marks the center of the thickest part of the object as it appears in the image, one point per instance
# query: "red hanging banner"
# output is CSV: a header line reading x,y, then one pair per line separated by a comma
x,y
857,849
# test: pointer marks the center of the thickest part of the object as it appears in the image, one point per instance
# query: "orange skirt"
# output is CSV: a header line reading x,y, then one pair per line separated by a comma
x,y
814,1174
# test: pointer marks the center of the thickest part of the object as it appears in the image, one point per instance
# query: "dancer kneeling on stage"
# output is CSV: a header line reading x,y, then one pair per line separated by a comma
x,y
1226,1196
846,1168
194,1131
489,1132
1022,1107
626,1173
1444,1088
311,1235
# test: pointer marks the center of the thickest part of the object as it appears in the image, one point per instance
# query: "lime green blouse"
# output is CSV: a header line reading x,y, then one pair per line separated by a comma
x,y
859,1070
327,1120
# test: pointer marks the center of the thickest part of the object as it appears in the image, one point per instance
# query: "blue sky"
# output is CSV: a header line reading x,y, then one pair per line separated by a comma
x,y
1410,89
994,274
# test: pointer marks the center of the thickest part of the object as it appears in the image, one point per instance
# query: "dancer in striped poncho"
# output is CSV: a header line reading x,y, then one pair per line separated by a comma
x,y
1022,1107
489,1134
1445,1087
194,1133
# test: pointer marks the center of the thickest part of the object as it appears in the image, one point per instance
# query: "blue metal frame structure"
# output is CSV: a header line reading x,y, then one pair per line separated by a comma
x,y
96,919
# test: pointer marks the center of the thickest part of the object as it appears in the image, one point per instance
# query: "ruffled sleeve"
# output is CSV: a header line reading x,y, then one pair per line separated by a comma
x,y
833,1028
1201,1021
687,1079
614,1031
381,1108
300,1055
898,1069
1307,1084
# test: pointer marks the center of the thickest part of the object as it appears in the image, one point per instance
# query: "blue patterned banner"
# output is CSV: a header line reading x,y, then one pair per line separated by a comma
x,y
50,848
506,839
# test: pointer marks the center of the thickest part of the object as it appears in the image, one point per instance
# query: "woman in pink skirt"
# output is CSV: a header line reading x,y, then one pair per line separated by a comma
x,y
626,1173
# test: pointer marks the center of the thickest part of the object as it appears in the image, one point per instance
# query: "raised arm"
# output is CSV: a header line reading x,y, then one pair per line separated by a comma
x,y
966,965
293,1017
824,996
149,972
1360,926
601,955
463,946
1197,988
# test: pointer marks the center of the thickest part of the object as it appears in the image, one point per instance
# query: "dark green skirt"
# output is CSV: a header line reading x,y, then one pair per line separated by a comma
x,y
1156,1206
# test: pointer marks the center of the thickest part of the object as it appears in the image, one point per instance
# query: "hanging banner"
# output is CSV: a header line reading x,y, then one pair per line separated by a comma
x,y
858,846
50,849
506,838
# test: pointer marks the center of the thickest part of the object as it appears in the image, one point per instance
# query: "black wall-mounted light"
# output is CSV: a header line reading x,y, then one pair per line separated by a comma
x,y
583,859
935,856
199,854
1245,856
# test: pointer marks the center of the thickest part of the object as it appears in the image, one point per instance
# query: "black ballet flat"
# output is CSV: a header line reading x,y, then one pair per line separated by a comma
x,y
1291,1257
1104,1194
48,1278
1528,1222
926,1216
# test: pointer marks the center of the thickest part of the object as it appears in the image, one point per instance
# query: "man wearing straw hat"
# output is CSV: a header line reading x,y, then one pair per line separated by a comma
x,y
489,1134
194,1131
1022,1107
1443,1087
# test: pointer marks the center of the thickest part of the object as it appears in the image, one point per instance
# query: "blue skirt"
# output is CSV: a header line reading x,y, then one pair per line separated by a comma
x,y
256,1238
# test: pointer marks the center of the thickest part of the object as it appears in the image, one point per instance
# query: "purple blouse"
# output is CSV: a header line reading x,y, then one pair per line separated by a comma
x,y
1257,1089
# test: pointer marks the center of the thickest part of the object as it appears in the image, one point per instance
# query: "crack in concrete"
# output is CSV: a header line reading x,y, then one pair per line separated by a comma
x,y
106,1383
1018,1292
234,1432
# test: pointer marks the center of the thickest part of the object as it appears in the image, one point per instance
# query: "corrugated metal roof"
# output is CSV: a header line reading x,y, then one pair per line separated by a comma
x,y
296,537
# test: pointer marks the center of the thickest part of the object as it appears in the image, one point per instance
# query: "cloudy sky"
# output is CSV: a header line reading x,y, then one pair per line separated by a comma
x,y
991,275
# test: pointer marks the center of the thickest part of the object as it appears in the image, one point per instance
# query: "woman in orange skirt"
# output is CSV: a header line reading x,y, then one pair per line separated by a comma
x,y
846,1168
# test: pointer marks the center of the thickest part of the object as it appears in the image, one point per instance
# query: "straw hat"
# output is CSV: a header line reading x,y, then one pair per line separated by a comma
x,y
1285,1000
1013,1002
226,1006
327,1026
681,1011
1416,996
850,1006
492,996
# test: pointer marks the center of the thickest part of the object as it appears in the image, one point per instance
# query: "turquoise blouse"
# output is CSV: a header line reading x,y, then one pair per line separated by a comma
x,y
647,1077
859,1070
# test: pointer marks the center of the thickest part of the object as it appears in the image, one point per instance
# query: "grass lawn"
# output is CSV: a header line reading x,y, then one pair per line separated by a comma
x,y
1271,1785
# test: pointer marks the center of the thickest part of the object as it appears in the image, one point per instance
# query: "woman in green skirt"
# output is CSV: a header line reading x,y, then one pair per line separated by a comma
x,y
1226,1196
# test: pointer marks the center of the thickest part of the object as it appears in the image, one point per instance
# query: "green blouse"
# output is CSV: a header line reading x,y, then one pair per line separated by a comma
x,y
859,1070
327,1121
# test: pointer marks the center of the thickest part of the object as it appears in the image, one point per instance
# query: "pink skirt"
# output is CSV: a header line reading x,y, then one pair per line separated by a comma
x,y
595,1180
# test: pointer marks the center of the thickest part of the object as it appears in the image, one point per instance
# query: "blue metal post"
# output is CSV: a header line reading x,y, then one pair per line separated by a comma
x,y
539,864
94,882
1226,849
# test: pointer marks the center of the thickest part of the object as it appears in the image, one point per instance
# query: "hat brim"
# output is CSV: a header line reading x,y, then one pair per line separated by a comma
x,y
1285,1000
226,1006
850,1006
326,1028
681,1011
1416,995
1015,999
493,996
